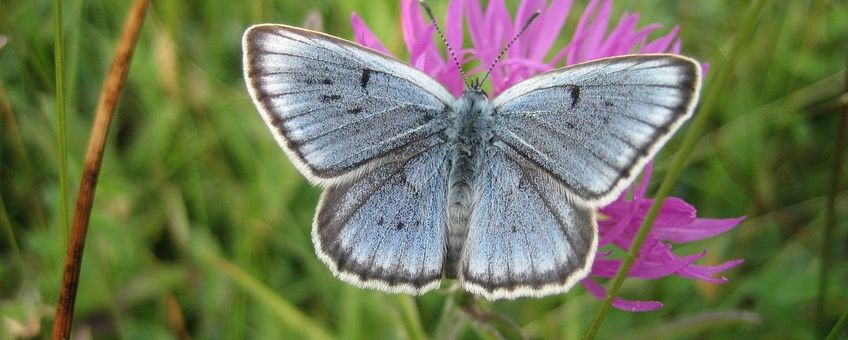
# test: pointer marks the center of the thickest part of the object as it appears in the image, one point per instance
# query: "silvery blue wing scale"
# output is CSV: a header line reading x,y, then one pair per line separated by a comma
x,y
419,185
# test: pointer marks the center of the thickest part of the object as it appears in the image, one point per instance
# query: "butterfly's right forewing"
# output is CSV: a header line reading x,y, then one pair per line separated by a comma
x,y
337,108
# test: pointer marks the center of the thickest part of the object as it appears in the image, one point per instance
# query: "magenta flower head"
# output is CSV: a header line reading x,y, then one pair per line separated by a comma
x,y
490,30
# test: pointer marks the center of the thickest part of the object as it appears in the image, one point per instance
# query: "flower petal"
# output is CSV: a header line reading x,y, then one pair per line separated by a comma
x,y
548,29
475,22
662,44
675,48
640,190
594,34
499,26
423,54
706,273
450,75
627,305
705,67
525,10
619,40
611,234
499,22
413,24
520,48
453,26
698,229
661,262
674,212
605,268
364,36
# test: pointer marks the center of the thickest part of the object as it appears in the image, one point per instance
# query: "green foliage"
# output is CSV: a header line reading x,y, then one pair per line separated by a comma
x,y
196,203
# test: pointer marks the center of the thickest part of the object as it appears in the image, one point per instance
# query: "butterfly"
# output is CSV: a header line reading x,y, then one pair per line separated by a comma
x,y
419,185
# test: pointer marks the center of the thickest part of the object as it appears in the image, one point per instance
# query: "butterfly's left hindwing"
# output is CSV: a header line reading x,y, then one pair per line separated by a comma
x,y
386,229
335,107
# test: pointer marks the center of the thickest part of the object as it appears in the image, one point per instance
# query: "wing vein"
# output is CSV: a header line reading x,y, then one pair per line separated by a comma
x,y
560,222
348,124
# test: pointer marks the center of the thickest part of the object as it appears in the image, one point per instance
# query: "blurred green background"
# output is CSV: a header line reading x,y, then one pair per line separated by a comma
x,y
201,225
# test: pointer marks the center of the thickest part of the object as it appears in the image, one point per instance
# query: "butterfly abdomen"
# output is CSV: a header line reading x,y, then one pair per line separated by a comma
x,y
471,117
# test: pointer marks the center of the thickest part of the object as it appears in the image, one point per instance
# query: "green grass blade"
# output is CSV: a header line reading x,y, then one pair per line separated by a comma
x,y
838,327
9,234
448,316
285,311
411,318
828,230
59,51
709,104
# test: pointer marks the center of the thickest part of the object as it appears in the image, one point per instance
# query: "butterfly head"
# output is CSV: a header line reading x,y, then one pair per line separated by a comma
x,y
475,86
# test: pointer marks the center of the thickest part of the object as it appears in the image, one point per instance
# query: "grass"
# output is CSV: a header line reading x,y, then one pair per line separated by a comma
x,y
196,204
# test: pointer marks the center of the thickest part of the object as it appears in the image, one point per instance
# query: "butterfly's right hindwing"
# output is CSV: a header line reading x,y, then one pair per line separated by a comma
x,y
335,107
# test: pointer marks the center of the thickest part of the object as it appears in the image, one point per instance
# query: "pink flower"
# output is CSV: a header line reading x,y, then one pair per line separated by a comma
x,y
675,223
492,29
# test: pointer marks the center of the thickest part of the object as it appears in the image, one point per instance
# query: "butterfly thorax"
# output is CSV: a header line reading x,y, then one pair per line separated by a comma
x,y
471,120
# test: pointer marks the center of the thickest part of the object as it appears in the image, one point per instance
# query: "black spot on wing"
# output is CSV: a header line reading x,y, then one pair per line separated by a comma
x,y
575,95
330,98
355,110
366,76
325,81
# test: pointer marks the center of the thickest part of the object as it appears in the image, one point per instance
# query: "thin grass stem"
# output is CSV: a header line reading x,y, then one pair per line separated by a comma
x,y
839,326
59,51
109,95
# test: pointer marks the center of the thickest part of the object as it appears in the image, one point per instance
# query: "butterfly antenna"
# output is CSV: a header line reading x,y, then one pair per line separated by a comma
x,y
514,39
429,13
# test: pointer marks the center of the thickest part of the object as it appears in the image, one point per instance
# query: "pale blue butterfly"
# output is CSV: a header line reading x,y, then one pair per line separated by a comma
x,y
419,185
